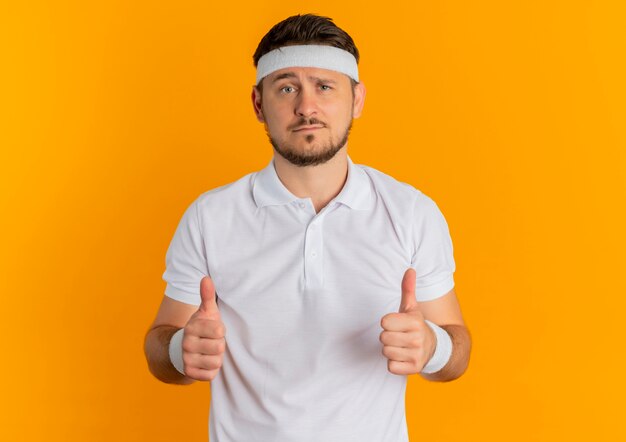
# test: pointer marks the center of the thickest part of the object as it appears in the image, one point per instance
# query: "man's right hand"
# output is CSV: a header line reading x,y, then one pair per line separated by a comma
x,y
203,339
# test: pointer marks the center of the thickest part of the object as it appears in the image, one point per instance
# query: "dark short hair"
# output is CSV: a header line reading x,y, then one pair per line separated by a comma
x,y
305,29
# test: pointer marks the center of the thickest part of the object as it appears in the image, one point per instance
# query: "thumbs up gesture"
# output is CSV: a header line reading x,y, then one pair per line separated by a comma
x,y
203,339
408,342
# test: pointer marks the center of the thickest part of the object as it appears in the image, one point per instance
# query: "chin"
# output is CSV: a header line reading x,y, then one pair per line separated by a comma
x,y
304,159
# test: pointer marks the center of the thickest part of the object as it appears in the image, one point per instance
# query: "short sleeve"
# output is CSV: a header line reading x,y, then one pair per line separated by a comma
x,y
433,258
185,260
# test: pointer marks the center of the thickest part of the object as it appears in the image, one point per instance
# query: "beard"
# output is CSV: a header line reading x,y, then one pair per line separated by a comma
x,y
303,159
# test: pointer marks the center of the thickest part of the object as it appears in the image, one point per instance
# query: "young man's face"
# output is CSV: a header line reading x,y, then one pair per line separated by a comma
x,y
308,112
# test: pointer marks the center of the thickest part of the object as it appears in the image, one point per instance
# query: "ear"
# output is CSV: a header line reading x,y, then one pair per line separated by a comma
x,y
359,100
256,103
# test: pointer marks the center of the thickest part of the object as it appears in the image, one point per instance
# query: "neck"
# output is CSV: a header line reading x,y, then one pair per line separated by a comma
x,y
321,183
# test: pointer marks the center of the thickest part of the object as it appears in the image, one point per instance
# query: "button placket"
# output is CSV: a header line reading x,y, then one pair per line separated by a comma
x,y
314,253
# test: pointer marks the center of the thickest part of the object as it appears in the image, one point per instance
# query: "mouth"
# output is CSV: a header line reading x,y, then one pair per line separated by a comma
x,y
308,128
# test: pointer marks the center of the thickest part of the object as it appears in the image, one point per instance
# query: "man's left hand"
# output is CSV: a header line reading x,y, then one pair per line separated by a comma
x,y
408,342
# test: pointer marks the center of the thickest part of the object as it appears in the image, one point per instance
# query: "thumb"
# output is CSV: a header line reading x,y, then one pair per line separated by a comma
x,y
408,301
208,306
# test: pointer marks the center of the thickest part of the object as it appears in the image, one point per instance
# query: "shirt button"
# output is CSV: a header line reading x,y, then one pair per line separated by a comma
x,y
301,205
313,254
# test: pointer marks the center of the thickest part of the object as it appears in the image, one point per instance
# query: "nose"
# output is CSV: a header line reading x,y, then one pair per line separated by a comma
x,y
306,103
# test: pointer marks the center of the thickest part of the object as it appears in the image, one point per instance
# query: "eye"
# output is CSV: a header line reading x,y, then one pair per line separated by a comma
x,y
326,86
286,87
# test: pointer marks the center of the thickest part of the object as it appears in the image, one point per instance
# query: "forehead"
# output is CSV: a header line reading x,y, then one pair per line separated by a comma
x,y
306,74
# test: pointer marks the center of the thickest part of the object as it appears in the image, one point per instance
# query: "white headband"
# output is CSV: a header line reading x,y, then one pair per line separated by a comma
x,y
308,56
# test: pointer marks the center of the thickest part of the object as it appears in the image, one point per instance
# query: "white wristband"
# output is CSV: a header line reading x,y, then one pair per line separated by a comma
x,y
443,351
176,351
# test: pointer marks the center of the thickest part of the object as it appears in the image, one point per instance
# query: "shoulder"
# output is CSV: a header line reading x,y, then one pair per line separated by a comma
x,y
398,193
228,195
218,204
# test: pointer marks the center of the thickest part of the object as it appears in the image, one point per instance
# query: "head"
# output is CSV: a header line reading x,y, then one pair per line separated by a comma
x,y
307,111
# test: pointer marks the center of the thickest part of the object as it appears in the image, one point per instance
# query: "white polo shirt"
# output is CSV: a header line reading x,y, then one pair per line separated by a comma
x,y
301,295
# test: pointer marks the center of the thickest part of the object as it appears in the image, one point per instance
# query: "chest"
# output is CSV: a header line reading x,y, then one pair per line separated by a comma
x,y
284,262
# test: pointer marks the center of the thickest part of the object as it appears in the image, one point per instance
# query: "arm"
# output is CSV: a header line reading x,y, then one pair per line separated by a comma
x,y
172,315
445,311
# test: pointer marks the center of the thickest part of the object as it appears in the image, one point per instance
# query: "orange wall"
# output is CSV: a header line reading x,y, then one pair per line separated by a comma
x,y
510,115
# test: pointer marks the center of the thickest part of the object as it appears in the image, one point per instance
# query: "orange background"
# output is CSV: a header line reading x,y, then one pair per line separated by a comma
x,y
510,115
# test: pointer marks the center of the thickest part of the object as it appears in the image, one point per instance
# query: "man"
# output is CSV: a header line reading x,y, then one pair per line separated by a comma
x,y
308,291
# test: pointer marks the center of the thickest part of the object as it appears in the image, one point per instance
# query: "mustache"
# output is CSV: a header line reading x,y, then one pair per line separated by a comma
x,y
307,122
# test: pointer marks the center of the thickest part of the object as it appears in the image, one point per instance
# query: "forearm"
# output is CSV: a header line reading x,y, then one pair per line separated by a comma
x,y
459,360
156,348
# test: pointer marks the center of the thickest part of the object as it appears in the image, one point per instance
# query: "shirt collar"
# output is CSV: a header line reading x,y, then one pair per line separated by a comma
x,y
268,190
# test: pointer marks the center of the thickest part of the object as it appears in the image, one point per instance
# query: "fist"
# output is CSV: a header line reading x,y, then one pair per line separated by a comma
x,y
408,342
203,339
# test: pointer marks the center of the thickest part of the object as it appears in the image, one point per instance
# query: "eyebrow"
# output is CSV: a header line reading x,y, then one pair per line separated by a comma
x,y
310,77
